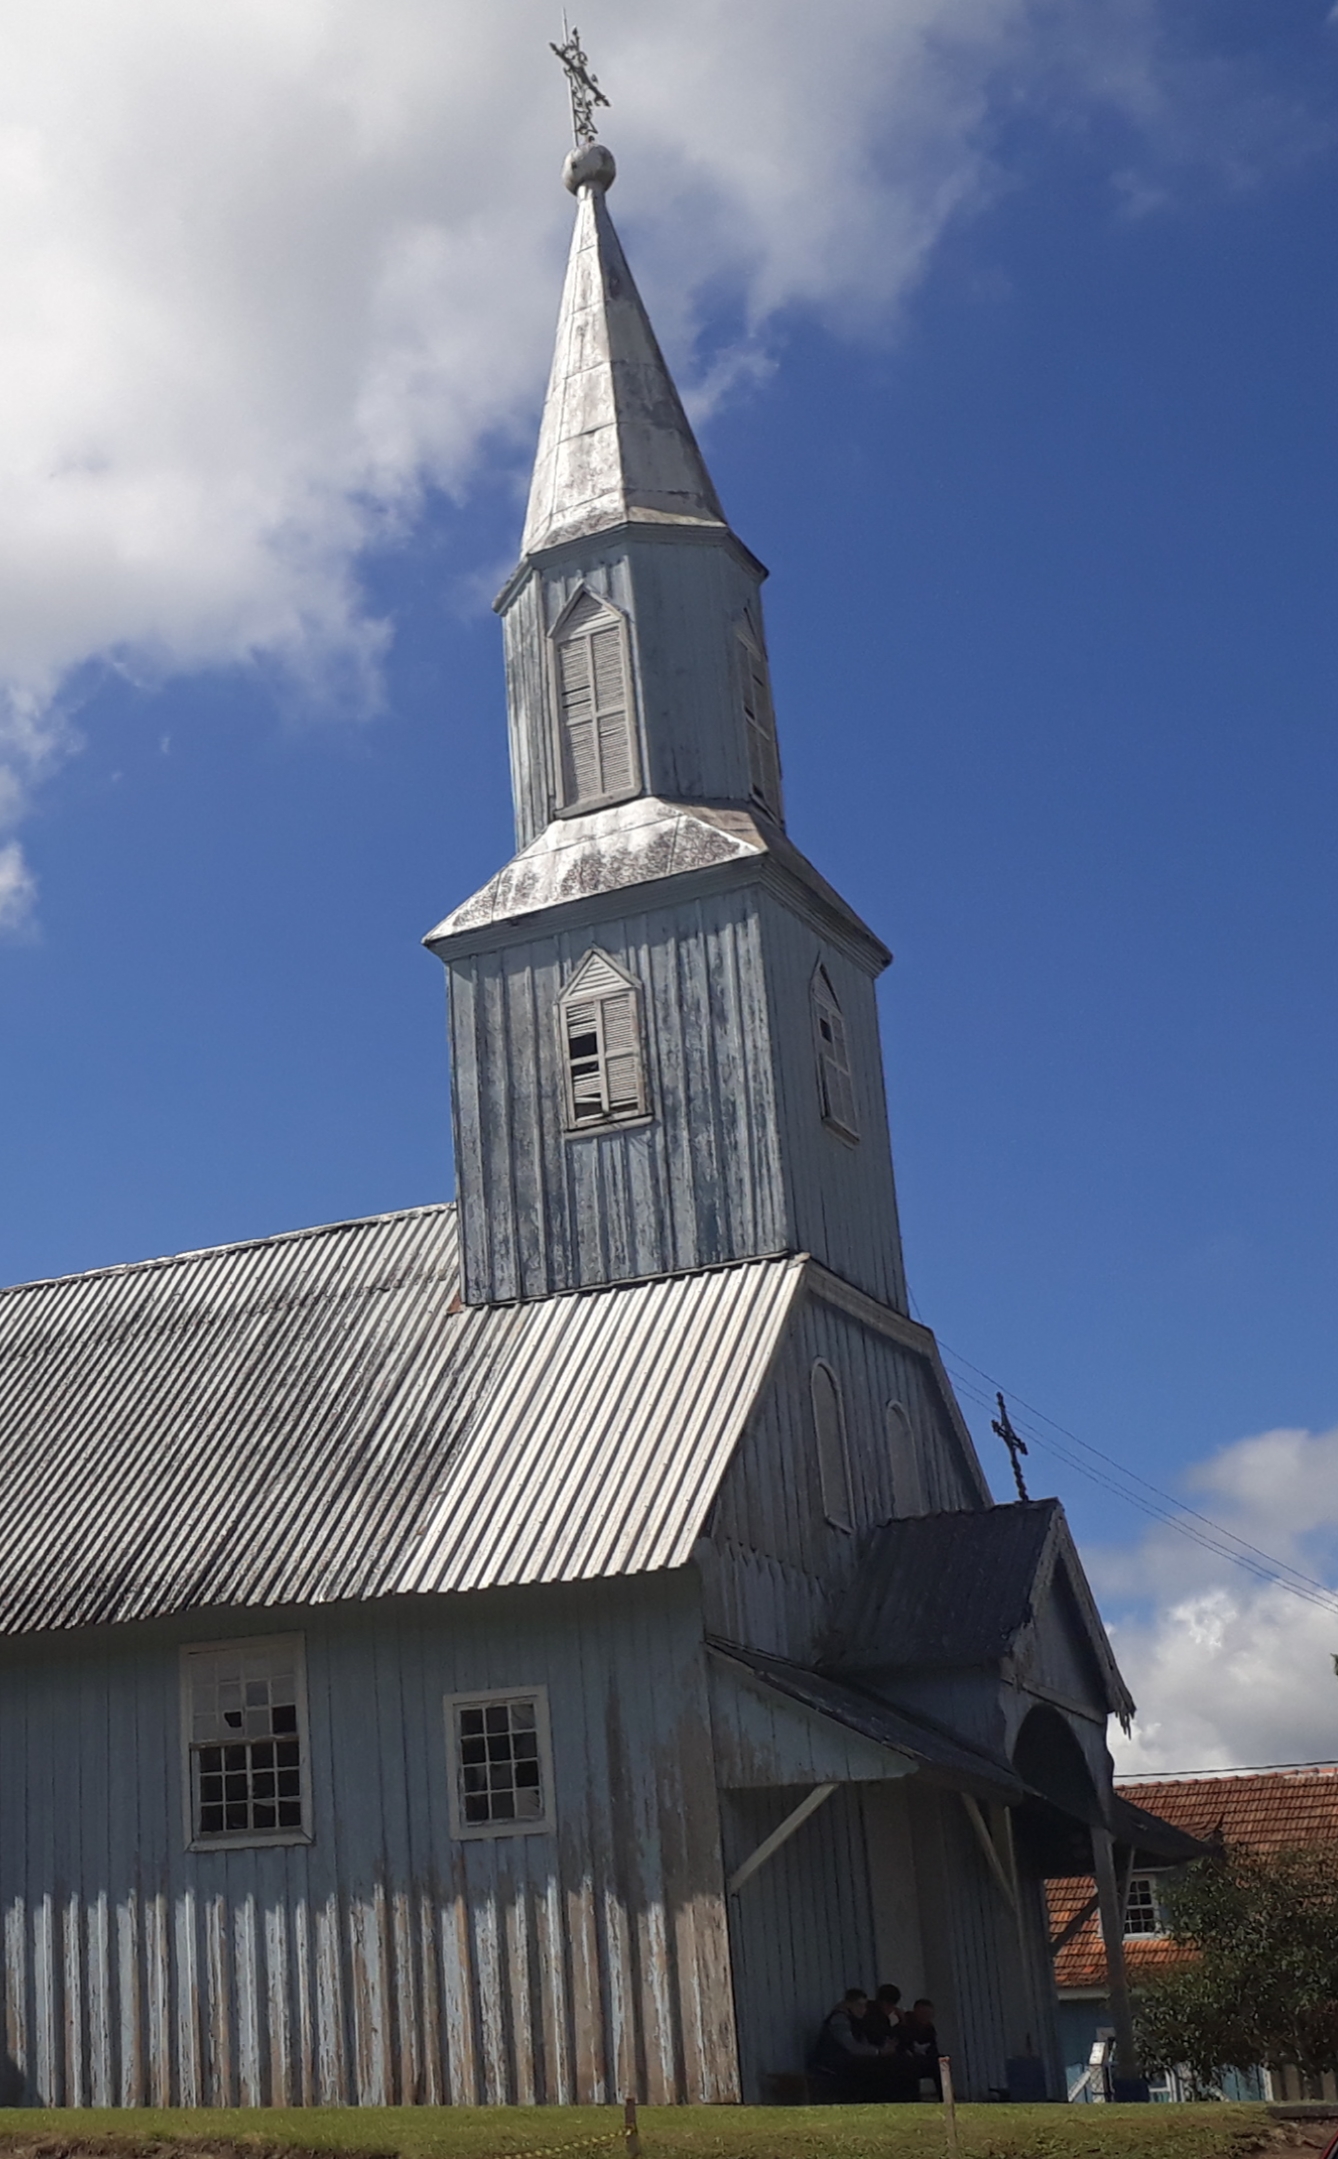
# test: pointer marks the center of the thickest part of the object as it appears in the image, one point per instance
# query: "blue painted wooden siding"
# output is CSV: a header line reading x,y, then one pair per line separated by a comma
x,y
386,1962
683,601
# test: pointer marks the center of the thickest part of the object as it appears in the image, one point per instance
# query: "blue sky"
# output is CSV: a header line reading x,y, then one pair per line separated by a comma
x,y
1050,525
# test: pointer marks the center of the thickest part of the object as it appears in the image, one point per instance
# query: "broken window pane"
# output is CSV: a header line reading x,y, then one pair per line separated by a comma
x,y
244,1694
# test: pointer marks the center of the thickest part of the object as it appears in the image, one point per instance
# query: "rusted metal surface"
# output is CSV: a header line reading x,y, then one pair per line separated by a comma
x,y
307,1418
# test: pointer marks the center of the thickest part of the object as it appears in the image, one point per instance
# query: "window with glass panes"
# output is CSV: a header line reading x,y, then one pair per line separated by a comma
x,y
244,1710
1141,1912
503,1780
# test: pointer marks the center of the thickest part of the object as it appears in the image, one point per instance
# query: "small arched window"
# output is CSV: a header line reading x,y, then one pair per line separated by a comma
x,y
600,1042
764,780
836,1088
829,1426
596,747
908,1493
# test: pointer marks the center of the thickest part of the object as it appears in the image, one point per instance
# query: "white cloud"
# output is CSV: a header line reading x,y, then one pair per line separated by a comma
x,y
265,270
1229,1670
16,888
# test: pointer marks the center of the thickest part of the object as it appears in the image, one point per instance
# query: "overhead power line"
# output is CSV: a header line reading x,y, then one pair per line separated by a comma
x,y
1150,1499
1237,1769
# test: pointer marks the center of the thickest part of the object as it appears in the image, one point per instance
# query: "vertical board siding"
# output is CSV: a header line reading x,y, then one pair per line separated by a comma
x,y
841,1194
385,1963
776,1564
682,602
802,1927
734,1160
699,1183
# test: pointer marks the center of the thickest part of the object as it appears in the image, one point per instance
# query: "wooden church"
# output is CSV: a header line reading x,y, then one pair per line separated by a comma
x,y
546,1647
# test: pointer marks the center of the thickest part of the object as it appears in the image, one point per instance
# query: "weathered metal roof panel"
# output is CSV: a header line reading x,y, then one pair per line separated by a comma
x,y
939,1592
313,1417
614,444
944,1590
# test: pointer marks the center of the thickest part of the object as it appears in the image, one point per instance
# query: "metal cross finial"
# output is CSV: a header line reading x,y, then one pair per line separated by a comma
x,y
1003,1425
584,87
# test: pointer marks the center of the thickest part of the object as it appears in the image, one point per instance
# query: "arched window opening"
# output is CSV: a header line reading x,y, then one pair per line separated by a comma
x,y
600,1038
829,1425
764,777
908,1492
836,1087
597,756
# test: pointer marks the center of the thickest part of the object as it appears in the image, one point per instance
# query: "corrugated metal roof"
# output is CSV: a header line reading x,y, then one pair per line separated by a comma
x,y
952,1591
311,1417
942,1590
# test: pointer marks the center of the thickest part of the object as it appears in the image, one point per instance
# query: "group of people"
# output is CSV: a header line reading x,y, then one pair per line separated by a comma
x,y
873,2049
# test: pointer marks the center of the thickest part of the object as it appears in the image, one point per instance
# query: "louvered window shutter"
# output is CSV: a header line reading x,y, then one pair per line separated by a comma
x,y
833,1462
622,1054
834,1076
585,1064
597,745
580,747
760,727
601,1037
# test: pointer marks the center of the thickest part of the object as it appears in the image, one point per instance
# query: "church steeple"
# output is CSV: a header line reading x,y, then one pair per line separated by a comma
x,y
615,447
625,542
664,1037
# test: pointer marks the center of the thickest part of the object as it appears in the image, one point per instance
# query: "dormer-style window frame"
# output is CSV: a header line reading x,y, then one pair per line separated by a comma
x,y
602,1046
759,720
829,1431
596,754
908,1483
836,1085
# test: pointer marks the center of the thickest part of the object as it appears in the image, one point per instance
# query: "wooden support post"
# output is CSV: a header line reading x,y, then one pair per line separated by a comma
x,y
780,1835
631,2134
1112,1935
988,1846
949,2107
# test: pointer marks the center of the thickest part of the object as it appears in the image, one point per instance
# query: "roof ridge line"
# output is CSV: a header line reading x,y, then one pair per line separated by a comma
x,y
239,1244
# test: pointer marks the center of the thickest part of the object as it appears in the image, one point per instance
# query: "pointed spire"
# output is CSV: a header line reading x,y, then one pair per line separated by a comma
x,y
615,446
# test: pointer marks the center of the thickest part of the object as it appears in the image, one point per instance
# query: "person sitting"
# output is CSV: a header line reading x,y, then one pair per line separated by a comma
x,y
882,2018
886,2024
921,2043
844,2056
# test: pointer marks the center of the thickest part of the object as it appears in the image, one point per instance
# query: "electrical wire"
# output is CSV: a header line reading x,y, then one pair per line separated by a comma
x,y
1237,1769
1158,1505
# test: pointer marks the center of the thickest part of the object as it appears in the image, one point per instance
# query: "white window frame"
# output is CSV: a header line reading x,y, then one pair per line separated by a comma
x,y
544,1825
833,1054
839,1507
1154,1932
759,722
239,1839
578,806
573,993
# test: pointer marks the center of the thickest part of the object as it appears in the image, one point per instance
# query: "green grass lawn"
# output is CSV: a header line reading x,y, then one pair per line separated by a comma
x,y
986,2132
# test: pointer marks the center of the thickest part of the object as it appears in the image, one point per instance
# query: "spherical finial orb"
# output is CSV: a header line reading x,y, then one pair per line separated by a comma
x,y
589,166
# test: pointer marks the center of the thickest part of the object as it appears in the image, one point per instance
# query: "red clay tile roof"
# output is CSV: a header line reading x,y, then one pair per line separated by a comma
x,y
1270,1810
